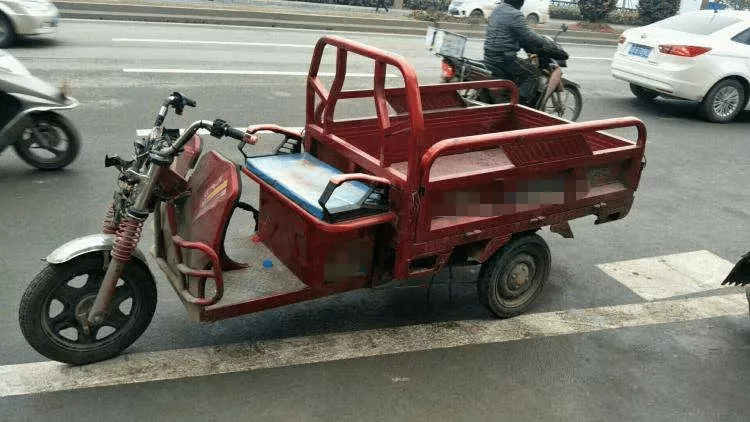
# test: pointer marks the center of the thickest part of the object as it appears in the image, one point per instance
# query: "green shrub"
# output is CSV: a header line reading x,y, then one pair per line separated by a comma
x,y
596,10
656,10
571,13
441,5
624,17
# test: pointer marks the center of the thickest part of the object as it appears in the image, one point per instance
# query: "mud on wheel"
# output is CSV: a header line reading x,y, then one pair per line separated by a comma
x,y
511,280
54,308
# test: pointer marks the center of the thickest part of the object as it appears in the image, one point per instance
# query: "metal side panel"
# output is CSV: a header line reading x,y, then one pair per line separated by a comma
x,y
255,281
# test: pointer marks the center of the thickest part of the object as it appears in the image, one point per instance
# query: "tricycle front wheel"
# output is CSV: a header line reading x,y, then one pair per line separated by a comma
x,y
511,280
54,309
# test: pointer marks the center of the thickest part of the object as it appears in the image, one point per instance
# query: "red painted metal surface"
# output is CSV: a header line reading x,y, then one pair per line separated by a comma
x,y
252,139
196,224
214,272
189,156
432,152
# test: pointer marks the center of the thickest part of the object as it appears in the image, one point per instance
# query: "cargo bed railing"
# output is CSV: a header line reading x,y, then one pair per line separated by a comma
x,y
320,117
524,152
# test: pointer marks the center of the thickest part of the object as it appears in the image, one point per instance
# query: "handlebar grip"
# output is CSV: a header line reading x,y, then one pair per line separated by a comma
x,y
235,133
189,102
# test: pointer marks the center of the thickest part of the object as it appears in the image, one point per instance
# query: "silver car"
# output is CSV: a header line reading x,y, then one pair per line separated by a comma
x,y
26,17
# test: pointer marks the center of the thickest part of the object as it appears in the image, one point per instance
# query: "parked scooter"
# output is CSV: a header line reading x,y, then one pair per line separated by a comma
x,y
554,94
29,121
740,275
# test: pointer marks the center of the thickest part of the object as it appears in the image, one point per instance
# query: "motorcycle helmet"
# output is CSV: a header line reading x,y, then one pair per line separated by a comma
x,y
518,4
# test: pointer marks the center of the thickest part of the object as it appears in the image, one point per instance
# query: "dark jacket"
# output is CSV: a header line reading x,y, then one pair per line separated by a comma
x,y
507,33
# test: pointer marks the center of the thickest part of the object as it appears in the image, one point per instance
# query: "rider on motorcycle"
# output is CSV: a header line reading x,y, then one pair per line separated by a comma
x,y
507,33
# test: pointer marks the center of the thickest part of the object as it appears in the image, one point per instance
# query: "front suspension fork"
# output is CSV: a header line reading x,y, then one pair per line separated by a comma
x,y
126,240
127,235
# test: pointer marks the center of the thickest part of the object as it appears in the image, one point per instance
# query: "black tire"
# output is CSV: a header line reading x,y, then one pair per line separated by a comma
x,y
53,284
532,19
476,15
48,125
571,92
527,254
724,101
643,93
7,32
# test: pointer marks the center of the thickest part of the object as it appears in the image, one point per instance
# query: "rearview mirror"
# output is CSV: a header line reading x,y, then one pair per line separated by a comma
x,y
564,28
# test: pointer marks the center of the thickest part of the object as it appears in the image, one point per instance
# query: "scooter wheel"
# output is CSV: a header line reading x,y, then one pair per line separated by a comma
x,y
53,310
48,142
511,280
7,32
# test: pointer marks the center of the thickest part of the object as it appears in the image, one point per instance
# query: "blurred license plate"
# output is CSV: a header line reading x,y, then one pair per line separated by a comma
x,y
639,51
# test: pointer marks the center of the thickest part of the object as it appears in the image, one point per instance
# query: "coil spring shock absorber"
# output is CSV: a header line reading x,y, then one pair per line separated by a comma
x,y
126,240
128,235
108,226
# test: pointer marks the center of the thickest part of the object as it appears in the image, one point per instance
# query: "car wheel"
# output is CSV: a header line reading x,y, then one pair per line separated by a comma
x,y
643,93
7,32
724,101
532,19
476,15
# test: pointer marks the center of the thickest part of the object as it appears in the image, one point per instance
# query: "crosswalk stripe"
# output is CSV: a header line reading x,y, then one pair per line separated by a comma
x,y
667,276
42,377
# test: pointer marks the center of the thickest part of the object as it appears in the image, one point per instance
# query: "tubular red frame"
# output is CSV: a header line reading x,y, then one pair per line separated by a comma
x,y
322,116
473,143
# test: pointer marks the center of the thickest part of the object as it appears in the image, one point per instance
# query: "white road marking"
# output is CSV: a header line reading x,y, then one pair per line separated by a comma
x,y
44,377
239,43
317,31
263,28
606,59
260,44
244,72
668,276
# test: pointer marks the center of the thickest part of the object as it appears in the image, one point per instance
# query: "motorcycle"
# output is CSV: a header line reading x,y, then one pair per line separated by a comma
x,y
29,120
554,94
740,275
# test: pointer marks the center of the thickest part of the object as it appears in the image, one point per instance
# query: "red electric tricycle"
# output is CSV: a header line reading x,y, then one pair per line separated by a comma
x,y
430,181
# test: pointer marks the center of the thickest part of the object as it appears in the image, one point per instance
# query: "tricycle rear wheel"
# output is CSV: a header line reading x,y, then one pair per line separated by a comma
x,y
511,280
54,307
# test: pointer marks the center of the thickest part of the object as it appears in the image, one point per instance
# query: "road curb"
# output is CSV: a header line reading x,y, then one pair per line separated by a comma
x,y
245,16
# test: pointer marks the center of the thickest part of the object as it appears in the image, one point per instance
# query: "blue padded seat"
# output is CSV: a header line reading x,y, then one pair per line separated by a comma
x,y
302,178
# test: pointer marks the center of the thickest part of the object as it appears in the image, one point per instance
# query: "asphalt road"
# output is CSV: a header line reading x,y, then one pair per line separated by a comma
x,y
692,197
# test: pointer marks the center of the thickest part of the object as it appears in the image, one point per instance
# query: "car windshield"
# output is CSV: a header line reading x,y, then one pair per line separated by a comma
x,y
697,23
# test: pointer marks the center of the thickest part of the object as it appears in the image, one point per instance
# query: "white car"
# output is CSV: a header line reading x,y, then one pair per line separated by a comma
x,y
26,17
536,11
699,56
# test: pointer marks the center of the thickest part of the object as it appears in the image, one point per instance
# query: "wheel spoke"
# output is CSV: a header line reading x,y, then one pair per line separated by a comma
x,y
93,281
68,296
86,336
122,294
116,319
66,319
